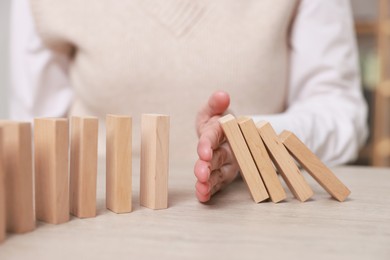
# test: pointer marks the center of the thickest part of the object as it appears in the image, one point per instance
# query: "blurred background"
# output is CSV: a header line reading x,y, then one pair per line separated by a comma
x,y
4,43
372,22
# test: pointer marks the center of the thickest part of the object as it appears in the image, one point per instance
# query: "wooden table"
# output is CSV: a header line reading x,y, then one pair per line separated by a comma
x,y
231,226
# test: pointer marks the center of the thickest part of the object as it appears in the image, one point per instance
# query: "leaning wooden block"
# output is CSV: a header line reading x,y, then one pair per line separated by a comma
x,y
310,162
3,223
284,162
51,142
83,166
244,158
119,163
261,158
154,161
17,166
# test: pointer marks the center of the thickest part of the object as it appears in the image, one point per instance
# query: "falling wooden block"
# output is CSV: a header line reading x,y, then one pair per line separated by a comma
x,y
83,166
261,158
51,142
284,162
244,158
154,161
310,162
3,223
119,163
17,166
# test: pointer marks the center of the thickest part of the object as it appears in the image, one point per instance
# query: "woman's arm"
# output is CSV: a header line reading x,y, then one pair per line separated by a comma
x,y
39,76
326,108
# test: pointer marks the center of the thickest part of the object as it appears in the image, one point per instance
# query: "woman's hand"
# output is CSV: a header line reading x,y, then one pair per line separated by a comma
x,y
216,166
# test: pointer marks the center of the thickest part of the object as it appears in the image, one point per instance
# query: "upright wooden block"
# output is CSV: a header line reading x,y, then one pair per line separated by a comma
x,y
83,166
244,158
119,163
51,142
261,158
17,166
284,162
3,223
313,165
154,161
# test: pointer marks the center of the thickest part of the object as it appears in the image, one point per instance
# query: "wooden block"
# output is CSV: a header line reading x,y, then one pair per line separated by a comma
x,y
51,142
17,166
154,161
3,223
261,158
119,163
244,158
284,162
83,166
313,165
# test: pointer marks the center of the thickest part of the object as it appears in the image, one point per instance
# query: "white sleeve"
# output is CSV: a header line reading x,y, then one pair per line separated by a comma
x,y
39,76
326,108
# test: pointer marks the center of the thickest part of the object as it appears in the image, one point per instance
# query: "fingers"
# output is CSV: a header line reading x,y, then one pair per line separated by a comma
x,y
211,156
202,170
218,179
211,139
203,197
220,157
203,191
217,104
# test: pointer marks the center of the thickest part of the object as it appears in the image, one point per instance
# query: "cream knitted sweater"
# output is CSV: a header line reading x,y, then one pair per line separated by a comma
x,y
132,57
